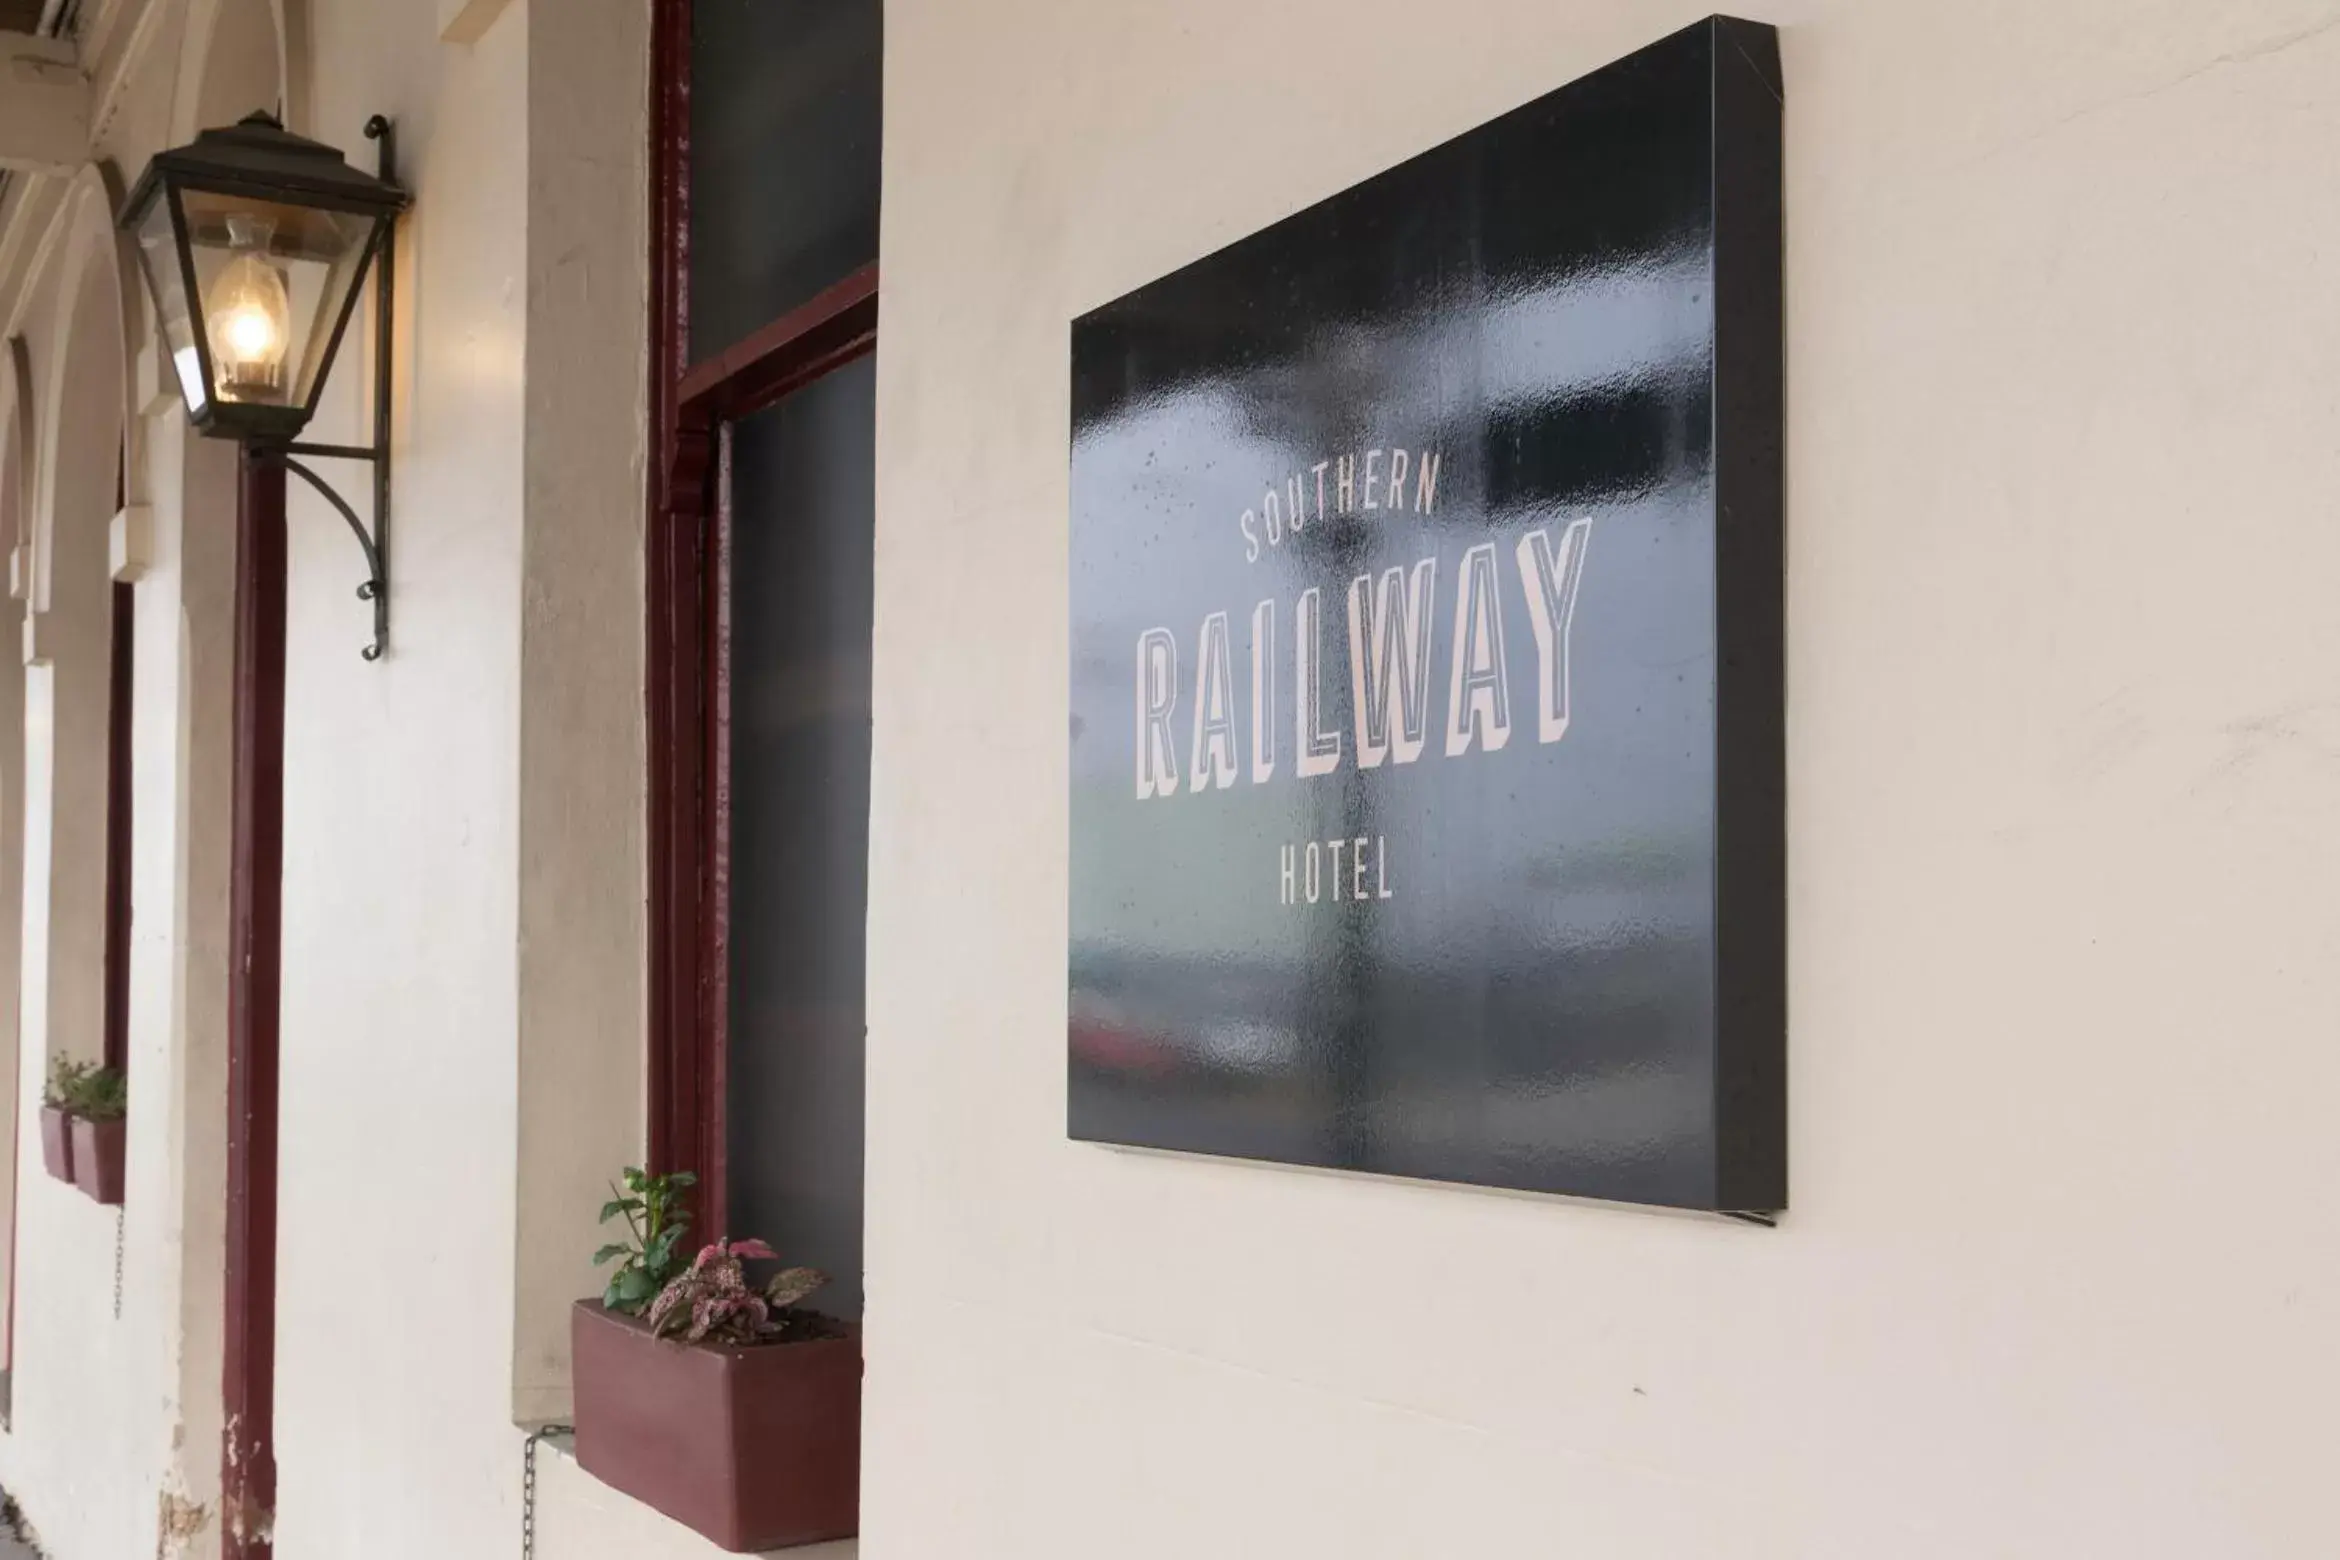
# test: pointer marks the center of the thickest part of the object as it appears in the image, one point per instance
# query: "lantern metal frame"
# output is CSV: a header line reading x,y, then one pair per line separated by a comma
x,y
270,434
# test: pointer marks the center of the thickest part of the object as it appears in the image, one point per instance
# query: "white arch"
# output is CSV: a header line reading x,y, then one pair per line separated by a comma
x,y
96,254
88,283
16,459
73,604
16,499
209,64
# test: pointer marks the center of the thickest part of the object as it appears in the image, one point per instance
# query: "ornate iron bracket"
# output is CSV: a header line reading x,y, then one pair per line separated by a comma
x,y
374,542
376,588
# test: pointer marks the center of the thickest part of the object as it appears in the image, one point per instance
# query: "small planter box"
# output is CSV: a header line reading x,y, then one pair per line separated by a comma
x,y
57,1143
753,1448
99,1148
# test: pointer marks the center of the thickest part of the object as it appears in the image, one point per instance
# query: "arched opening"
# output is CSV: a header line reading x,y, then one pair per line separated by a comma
x,y
240,69
74,596
15,518
54,715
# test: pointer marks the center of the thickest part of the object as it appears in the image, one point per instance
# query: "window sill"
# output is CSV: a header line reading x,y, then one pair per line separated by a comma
x,y
580,1518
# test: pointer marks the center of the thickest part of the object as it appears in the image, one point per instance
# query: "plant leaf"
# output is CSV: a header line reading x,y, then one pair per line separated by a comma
x,y
662,1308
752,1247
616,1248
793,1286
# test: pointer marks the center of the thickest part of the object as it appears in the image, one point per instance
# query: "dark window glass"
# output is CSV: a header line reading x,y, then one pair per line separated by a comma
x,y
121,684
803,544
784,157
119,724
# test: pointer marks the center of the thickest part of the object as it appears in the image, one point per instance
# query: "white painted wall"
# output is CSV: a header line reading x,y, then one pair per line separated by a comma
x,y
401,839
463,886
87,1445
2062,1276
116,1412
406,1298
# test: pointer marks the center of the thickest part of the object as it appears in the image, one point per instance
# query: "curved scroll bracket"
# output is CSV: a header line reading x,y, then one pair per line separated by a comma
x,y
376,588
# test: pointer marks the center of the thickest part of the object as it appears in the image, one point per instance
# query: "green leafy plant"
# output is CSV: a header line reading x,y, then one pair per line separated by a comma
x,y
655,1224
711,1302
67,1078
102,1094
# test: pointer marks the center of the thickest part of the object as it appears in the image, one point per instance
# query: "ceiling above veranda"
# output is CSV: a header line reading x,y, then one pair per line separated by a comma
x,y
52,17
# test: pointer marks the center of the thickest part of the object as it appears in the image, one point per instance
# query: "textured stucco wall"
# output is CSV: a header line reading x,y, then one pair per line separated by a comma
x,y
89,1444
401,842
582,959
2061,1276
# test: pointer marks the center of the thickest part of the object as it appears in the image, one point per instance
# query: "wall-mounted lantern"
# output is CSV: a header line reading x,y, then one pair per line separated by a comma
x,y
255,243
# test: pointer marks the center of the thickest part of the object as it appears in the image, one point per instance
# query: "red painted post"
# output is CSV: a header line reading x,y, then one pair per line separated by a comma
x,y
248,1452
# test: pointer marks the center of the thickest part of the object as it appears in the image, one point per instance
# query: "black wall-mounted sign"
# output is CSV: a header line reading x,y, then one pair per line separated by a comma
x,y
1427,751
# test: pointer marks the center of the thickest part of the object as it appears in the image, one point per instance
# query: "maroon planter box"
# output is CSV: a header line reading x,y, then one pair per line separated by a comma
x,y
99,1148
57,1142
753,1448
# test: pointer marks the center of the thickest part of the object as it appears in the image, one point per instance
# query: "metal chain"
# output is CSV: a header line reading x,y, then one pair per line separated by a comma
x,y
528,1488
118,1216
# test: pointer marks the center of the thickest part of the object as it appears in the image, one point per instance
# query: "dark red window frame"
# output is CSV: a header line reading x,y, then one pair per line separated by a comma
x,y
121,681
120,684
692,407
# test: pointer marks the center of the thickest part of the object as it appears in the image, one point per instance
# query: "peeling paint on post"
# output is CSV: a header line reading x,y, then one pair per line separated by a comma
x,y
178,1522
248,1374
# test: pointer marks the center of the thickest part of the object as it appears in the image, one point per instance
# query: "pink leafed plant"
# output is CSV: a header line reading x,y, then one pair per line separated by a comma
x,y
711,1301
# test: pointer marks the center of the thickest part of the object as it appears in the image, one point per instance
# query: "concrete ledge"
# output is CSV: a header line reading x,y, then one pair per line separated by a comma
x,y
130,543
580,1518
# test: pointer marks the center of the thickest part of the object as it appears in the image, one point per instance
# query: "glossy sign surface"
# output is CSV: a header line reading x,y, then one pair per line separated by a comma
x,y
1426,774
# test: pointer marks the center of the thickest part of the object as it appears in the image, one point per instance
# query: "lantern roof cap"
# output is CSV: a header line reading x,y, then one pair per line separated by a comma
x,y
257,156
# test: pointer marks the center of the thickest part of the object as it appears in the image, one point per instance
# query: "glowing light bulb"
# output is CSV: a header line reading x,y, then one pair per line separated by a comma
x,y
251,335
248,315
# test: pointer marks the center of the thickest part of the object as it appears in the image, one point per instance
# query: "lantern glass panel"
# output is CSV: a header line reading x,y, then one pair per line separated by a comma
x,y
158,257
273,279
